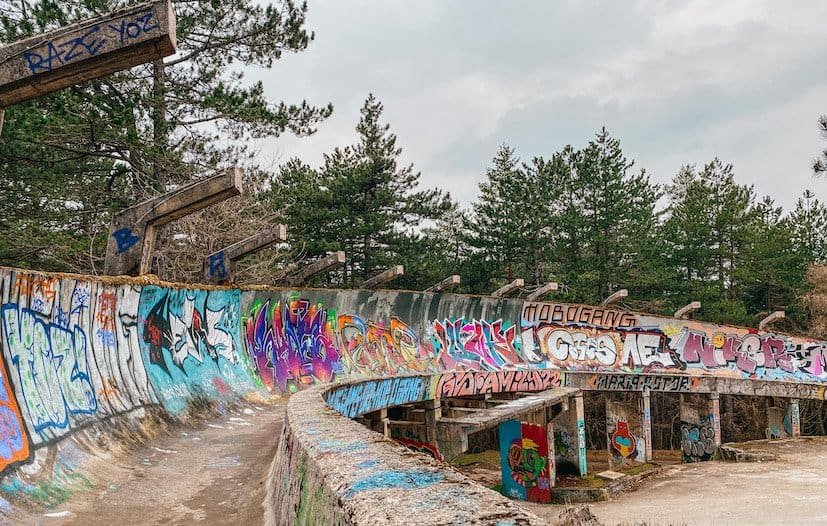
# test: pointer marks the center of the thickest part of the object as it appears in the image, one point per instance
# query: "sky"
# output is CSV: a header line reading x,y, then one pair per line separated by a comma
x,y
678,82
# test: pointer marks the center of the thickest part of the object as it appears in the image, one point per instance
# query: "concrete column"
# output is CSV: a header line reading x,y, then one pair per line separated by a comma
x,y
625,435
794,418
647,424
715,416
580,413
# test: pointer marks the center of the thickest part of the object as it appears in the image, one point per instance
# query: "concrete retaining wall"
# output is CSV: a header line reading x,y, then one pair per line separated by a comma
x,y
332,470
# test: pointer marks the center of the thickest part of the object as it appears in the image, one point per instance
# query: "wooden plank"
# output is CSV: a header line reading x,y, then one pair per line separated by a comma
x,y
446,283
87,50
326,264
219,266
505,290
132,231
384,277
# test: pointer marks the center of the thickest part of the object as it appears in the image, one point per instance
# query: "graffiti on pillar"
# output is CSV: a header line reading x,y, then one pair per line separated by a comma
x,y
525,464
697,441
292,344
622,442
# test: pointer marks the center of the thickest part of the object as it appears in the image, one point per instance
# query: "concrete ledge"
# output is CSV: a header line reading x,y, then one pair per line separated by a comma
x,y
731,453
331,470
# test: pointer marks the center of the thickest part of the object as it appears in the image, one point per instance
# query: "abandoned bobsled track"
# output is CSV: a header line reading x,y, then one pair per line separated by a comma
x,y
95,370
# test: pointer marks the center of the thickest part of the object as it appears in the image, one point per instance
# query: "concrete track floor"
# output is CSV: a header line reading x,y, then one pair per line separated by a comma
x,y
791,490
212,474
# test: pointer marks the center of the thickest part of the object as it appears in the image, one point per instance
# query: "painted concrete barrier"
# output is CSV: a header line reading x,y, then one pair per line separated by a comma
x,y
80,353
332,470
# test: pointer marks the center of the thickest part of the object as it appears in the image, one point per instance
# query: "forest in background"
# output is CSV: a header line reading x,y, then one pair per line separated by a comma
x,y
584,216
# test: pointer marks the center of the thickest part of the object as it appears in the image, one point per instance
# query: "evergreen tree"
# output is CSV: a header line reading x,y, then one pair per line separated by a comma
x,y
820,162
119,139
607,220
809,227
360,201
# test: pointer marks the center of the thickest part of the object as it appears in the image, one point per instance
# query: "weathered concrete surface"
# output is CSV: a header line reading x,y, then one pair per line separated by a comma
x,y
789,491
213,473
332,470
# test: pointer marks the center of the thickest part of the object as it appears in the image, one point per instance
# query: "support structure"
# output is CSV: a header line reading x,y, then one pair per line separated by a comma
x,y
783,418
570,438
384,277
509,288
325,264
647,424
684,312
542,291
700,420
451,281
622,293
775,316
219,266
87,50
132,231
626,432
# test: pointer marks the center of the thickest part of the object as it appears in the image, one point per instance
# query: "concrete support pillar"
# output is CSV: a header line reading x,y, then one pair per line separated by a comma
x,y
580,413
625,434
647,424
700,424
794,418
715,416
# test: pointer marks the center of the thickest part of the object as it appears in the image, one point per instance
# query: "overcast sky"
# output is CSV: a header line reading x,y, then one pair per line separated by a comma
x,y
677,82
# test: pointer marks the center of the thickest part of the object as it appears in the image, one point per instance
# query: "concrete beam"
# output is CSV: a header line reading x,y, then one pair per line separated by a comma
x,y
509,288
775,316
384,277
542,291
445,284
622,293
326,264
132,231
87,50
220,265
686,310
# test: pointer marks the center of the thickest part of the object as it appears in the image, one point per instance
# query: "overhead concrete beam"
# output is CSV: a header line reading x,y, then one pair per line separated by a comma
x,y
622,293
505,290
220,265
450,281
384,277
686,310
772,318
326,264
87,50
132,231
542,291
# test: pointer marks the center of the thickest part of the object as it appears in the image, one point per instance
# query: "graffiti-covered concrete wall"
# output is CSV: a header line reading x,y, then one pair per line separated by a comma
x,y
78,350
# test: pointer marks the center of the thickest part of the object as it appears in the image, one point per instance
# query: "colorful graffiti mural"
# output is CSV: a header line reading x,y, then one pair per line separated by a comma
x,y
191,346
292,344
527,467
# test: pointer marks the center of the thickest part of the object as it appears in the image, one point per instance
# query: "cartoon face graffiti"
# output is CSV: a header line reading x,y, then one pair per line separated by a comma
x,y
526,462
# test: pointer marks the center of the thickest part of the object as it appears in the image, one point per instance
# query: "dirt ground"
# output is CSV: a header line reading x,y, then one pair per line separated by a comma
x,y
213,474
791,490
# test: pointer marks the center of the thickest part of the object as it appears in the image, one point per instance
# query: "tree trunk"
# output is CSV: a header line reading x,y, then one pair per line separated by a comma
x,y
160,128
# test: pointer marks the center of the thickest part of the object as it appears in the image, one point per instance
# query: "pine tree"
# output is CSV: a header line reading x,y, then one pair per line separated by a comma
x,y
122,138
608,217
809,227
360,201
